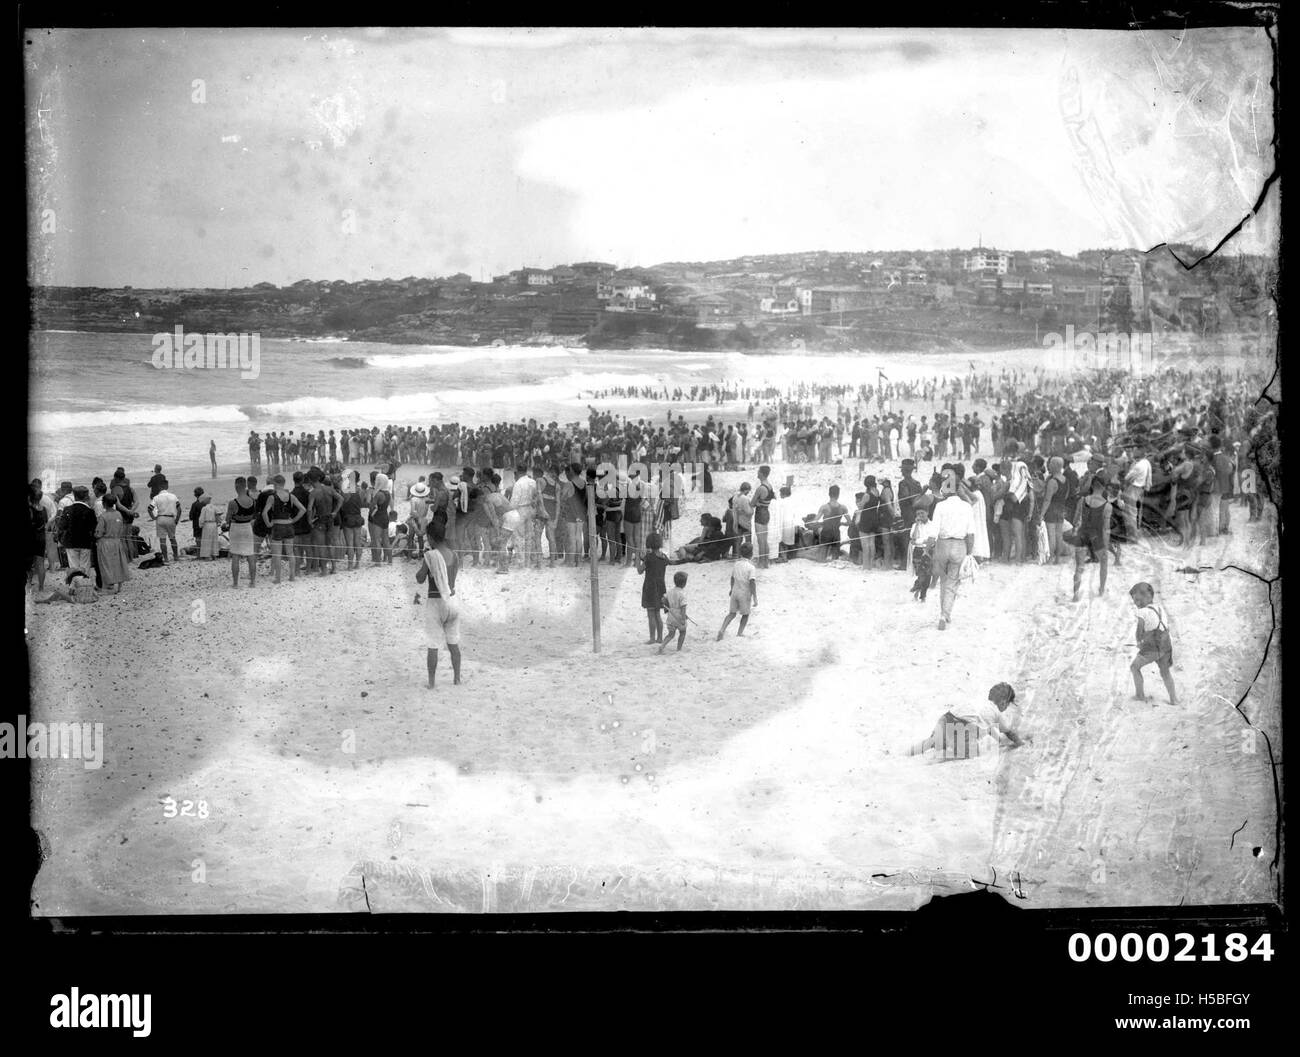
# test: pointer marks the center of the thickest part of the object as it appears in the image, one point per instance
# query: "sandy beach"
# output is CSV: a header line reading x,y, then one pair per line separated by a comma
x,y
768,772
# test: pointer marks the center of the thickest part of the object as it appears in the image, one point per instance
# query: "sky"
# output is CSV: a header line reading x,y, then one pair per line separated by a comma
x,y
227,157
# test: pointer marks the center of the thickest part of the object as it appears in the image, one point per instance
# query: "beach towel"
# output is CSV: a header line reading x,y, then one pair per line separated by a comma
x,y
1019,481
1044,545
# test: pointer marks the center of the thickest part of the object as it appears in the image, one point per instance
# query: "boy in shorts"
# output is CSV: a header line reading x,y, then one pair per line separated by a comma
x,y
1154,645
675,604
744,590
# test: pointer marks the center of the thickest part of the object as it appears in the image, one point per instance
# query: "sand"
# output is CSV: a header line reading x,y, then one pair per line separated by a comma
x,y
766,772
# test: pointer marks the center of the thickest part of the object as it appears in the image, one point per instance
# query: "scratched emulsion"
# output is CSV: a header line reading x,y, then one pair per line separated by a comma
x,y
762,774
1172,131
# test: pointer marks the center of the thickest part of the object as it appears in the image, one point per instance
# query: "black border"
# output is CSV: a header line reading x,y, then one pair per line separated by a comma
x,y
938,973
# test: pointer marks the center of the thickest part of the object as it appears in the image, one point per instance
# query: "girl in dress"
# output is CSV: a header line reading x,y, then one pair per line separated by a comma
x,y
653,564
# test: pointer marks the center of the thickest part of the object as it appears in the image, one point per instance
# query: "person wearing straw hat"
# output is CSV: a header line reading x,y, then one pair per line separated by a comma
x,y
418,517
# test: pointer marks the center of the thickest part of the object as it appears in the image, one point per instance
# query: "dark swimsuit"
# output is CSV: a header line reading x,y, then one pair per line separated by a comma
x,y
1091,529
453,567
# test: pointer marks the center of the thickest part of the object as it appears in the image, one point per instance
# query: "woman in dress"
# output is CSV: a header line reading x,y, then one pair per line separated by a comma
x,y
209,540
239,523
110,546
653,564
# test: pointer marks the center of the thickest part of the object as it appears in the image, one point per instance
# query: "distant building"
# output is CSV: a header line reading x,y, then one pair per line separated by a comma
x,y
593,269
841,298
624,291
536,277
459,279
563,274
985,260
782,305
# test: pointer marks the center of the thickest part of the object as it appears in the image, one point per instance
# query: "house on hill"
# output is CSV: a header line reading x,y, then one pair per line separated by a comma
x,y
593,269
624,290
783,304
988,261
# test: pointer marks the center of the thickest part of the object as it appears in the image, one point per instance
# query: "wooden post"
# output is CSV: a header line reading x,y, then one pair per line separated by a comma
x,y
594,552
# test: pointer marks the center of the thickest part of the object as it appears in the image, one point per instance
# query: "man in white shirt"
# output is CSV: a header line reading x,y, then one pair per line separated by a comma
x,y
954,525
524,496
167,508
1136,483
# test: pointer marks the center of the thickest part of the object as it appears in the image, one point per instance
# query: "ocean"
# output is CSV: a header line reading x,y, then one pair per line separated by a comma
x,y
97,401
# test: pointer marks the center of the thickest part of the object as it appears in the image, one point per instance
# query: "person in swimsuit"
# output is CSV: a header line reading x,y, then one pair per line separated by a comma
x,y
1154,644
1092,534
1054,497
281,514
441,613
212,456
829,518
381,548
240,513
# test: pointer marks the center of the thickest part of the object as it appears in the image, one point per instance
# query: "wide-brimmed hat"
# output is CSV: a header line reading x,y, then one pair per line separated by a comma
x,y
419,491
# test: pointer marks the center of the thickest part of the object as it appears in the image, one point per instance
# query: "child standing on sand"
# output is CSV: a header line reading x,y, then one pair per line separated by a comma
x,y
653,564
744,591
922,542
1154,644
675,605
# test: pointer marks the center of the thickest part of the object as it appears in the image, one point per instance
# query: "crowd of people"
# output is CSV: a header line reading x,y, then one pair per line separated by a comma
x,y
1074,469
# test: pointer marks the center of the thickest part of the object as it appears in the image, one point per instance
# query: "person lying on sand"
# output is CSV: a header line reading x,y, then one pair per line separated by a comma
x,y
957,734
67,592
